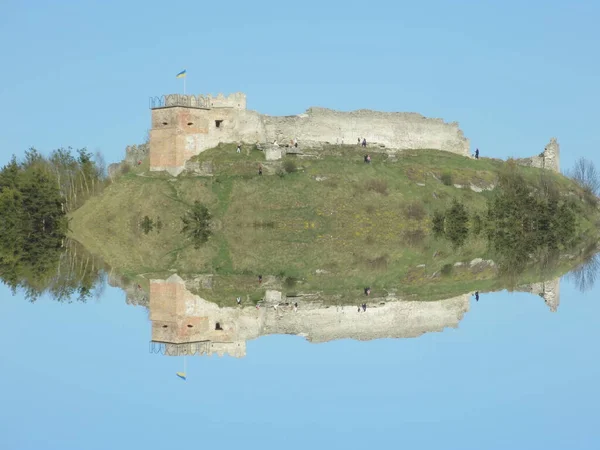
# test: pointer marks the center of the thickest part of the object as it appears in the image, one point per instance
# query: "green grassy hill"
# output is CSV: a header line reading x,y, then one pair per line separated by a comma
x,y
333,221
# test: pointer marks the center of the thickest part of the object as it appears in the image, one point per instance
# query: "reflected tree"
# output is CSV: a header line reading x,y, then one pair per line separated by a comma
x,y
585,275
34,201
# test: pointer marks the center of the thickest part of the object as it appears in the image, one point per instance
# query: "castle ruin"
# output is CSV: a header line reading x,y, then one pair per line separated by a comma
x,y
187,324
186,125
548,159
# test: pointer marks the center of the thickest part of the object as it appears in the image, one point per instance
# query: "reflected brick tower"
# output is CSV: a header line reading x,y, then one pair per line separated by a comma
x,y
183,325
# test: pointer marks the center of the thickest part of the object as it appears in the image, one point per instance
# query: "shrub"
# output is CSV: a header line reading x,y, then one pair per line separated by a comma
x,y
476,221
415,210
289,166
290,282
589,197
264,224
413,237
456,224
379,186
447,178
447,269
196,224
125,168
147,224
438,220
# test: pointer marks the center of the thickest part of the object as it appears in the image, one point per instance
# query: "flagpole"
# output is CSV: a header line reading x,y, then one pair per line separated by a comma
x,y
184,77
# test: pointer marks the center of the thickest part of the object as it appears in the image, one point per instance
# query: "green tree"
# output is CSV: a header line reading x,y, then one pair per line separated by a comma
x,y
35,195
196,224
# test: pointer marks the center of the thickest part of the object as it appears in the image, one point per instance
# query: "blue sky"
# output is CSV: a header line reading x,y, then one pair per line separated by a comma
x,y
514,74
513,375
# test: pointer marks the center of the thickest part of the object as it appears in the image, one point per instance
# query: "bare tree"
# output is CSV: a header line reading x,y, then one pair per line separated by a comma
x,y
586,274
585,174
100,164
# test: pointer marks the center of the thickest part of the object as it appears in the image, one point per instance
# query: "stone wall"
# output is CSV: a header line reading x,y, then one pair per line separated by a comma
x,y
548,159
181,132
179,317
548,290
133,154
133,295
388,130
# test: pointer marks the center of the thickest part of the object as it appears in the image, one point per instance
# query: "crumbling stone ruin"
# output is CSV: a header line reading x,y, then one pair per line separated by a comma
x,y
186,125
548,159
186,324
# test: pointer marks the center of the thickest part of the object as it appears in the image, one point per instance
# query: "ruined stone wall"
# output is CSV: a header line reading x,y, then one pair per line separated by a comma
x,y
548,159
181,132
548,290
178,316
390,130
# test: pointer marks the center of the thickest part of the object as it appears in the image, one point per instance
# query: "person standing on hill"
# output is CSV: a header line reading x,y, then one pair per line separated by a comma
x,y
476,153
364,144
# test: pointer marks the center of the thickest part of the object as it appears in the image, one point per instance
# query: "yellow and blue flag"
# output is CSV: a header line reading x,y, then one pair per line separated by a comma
x,y
180,74
181,375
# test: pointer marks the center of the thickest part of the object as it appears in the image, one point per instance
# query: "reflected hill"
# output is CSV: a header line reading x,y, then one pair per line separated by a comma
x,y
184,323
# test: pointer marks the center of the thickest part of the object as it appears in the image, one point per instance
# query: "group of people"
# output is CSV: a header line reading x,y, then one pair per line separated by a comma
x,y
367,293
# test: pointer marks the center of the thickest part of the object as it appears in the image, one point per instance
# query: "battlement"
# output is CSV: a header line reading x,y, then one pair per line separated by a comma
x,y
201,348
186,101
235,101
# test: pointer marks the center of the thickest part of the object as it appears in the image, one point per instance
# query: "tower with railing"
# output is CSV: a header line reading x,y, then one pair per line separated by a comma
x,y
183,324
185,125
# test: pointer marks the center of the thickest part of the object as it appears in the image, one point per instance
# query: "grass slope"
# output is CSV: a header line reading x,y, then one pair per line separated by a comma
x,y
357,224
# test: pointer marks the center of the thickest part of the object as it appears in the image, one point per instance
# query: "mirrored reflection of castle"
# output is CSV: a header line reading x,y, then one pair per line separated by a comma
x,y
186,324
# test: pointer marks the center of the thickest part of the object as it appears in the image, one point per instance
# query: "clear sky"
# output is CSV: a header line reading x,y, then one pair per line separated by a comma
x,y
513,376
512,73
